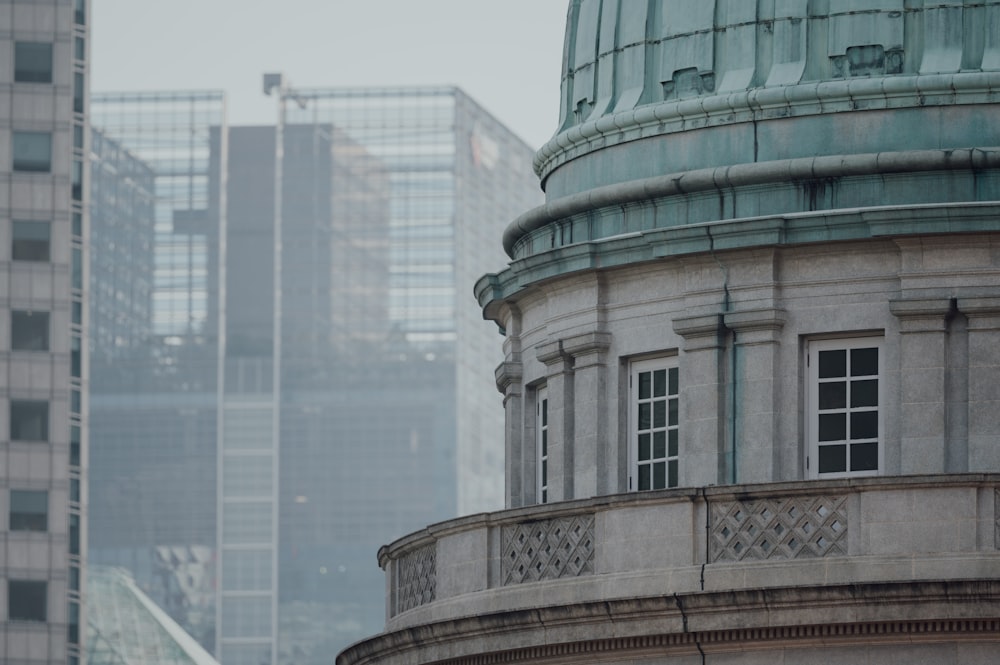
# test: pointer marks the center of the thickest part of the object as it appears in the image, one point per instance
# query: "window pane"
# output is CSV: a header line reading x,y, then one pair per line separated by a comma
x,y
864,425
79,48
672,443
29,510
644,419
644,385
832,426
75,361
32,152
832,364
644,477
80,15
27,600
77,180
74,445
74,534
660,383
833,395
673,413
673,381
832,459
864,393
29,420
545,412
864,362
30,241
659,475
659,445
77,276
32,62
643,447
78,92
29,331
672,473
659,414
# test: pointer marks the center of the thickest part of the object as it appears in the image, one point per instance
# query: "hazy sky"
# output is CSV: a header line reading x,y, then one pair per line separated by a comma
x,y
505,53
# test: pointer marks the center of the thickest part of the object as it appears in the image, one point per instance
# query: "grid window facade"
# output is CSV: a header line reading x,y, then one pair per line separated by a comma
x,y
845,414
654,424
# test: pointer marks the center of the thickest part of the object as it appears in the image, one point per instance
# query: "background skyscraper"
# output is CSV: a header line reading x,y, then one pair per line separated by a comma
x,y
393,200
43,400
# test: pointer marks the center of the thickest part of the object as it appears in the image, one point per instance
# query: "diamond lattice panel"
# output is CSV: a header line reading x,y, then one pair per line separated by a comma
x,y
548,550
785,528
417,579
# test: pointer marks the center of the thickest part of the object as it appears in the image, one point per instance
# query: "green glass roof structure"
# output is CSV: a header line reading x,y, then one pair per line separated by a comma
x,y
125,627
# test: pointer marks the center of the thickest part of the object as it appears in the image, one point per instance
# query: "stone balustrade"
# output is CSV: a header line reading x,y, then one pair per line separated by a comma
x,y
910,528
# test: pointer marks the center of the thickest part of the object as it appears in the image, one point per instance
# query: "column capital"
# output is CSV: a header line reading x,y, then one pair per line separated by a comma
x,y
701,332
921,315
756,326
983,313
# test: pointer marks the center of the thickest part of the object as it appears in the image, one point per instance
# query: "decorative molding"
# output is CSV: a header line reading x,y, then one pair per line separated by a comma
x,y
547,550
875,631
416,578
780,528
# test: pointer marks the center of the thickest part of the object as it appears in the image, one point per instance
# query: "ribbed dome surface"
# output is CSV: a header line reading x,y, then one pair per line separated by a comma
x,y
620,54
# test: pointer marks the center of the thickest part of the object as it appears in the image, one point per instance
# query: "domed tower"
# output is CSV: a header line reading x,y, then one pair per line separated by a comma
x,y
752,376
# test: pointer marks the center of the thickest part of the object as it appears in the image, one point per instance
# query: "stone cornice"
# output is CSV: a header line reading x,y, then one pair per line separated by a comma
x,y
806,615
780,230
921,314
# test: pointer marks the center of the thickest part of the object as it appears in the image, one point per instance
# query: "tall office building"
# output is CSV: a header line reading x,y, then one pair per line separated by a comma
x,y
351,385
155,350
44,140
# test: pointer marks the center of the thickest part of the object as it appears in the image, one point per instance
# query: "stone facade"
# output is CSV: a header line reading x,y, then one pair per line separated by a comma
x,y
751,339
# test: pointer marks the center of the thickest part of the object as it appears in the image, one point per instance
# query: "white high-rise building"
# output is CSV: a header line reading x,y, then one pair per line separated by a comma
x,y
44,141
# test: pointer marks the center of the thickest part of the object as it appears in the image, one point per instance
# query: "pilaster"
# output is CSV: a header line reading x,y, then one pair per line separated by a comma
x,y
983,315
591,451
509,379
702,385
559,381
923,328
755,364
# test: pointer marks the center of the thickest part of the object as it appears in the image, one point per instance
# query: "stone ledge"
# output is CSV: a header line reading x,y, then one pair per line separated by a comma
x,y
860,613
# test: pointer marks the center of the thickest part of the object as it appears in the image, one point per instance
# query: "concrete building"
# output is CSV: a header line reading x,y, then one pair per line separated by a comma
x,y
44,141
298,403
751,374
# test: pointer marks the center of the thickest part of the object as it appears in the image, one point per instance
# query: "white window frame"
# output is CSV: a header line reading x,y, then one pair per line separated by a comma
x,y
655,433
813,411
542,444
